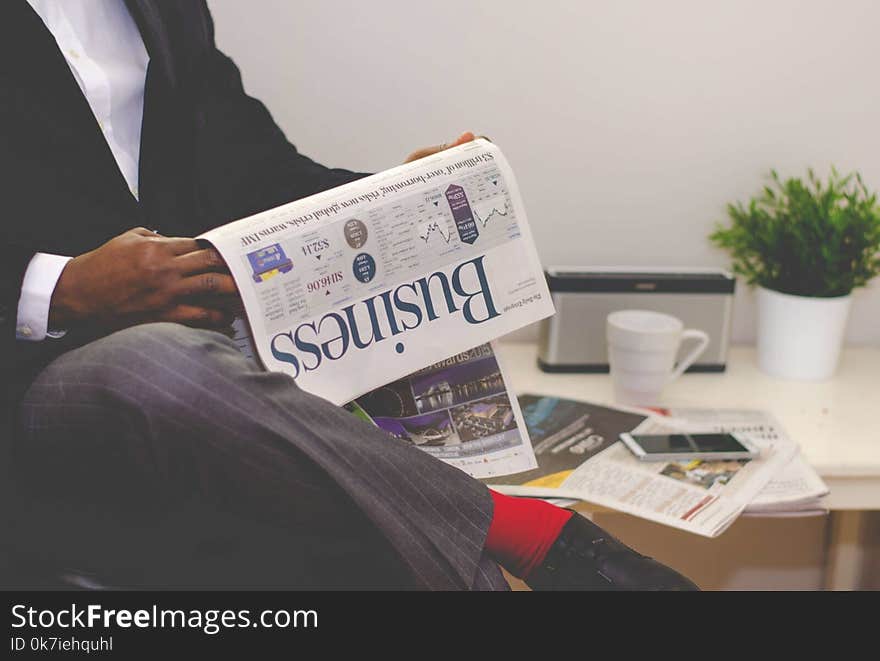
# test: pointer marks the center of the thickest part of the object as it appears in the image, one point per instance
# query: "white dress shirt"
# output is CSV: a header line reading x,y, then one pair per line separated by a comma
x,y
105,52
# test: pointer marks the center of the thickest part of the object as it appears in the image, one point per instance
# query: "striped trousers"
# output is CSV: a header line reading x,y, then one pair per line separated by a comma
x,y
160,456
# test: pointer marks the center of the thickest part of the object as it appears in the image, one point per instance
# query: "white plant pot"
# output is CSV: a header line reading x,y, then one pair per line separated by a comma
x,y
799,337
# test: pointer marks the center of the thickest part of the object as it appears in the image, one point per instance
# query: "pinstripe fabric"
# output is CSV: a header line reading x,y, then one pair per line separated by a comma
x,y
166,412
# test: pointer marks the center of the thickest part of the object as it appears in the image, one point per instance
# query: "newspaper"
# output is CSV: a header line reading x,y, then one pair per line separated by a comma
x,y
796,488
352,288
698,496
458,410
358,287
566,433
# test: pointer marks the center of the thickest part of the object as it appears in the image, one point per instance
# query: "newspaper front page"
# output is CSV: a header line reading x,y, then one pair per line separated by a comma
x,y
362,286
366,283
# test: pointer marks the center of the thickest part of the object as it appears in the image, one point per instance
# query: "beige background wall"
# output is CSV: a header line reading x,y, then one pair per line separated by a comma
x,y
630,123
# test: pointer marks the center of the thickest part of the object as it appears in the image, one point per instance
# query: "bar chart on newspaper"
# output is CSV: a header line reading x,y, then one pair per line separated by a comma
x,y
363,285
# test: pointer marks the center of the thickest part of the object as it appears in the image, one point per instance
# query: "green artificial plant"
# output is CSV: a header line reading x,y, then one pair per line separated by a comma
x,y
806,238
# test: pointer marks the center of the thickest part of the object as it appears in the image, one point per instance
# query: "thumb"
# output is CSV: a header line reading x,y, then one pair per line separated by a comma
x,y
467,136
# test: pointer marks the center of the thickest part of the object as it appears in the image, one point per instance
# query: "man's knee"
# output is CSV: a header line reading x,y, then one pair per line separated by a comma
x,y
139,362
165,336
91,409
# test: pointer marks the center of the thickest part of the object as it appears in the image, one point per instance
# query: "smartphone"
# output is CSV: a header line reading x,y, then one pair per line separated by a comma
x,y
682,447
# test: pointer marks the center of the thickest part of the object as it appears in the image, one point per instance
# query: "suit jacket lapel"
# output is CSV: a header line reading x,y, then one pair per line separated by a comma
x,y
159,170
155,35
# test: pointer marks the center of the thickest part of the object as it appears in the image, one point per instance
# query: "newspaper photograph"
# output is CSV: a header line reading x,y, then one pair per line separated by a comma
x,y
359,286
458,410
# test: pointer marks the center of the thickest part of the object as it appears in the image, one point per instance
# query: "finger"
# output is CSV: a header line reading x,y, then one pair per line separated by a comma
x,y
232,304
205,283
200,317
422,153
142,231
179,245
467,136
201,261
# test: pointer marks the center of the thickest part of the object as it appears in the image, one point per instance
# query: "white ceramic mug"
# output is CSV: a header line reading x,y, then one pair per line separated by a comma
x,y
642,346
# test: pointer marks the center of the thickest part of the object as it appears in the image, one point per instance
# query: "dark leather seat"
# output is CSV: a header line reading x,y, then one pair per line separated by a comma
x,y
223,551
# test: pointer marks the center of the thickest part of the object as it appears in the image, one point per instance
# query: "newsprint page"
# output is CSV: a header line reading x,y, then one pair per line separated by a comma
x,y
385,294
579,457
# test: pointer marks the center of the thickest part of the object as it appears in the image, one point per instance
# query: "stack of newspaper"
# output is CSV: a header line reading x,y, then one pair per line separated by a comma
x,y
795,490
579,457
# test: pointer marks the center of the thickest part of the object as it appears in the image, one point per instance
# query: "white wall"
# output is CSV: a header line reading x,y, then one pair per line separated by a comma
x,y
630,123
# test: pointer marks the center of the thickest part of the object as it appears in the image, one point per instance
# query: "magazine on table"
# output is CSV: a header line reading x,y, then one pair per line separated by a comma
x,y
564,434
386,293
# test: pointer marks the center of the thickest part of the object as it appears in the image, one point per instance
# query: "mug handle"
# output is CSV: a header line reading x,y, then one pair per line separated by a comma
x,y
702,342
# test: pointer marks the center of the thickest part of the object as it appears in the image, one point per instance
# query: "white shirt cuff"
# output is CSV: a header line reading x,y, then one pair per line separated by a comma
x,y
39,282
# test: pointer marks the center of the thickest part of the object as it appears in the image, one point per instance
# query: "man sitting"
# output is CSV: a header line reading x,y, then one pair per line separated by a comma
x,y
142,443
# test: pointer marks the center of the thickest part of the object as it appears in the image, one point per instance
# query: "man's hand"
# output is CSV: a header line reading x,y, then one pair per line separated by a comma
x,y
467,136
140,277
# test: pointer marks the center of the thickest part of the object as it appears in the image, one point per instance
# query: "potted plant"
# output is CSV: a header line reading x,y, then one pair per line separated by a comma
x,y
806,245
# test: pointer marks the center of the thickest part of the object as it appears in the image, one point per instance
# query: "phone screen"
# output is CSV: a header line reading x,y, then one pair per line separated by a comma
x,y
688,443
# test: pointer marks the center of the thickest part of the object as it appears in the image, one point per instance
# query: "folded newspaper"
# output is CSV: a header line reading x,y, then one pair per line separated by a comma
x,y
579,457
458,410
388,291
795,489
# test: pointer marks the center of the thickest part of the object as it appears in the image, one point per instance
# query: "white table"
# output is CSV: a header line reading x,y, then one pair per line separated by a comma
x,y
836,423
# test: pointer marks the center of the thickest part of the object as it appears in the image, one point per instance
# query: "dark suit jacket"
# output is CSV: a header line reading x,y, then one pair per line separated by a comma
x,y
209,154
